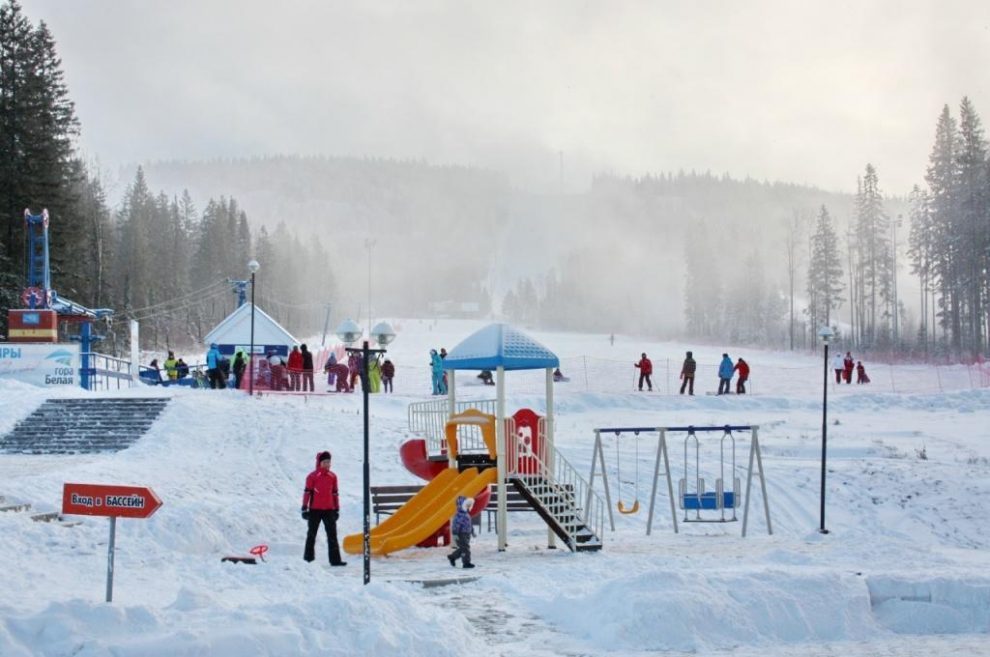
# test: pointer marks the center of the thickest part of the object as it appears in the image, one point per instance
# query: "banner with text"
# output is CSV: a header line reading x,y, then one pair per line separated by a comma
x,y
40,364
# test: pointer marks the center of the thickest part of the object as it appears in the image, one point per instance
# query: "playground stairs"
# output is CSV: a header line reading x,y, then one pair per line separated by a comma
x,y
558,507
83,426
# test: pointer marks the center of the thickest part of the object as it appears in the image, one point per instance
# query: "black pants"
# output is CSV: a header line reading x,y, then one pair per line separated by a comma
x,y
688,383
741,386
216,379
648,382
329,520
723,386
387,383
463,551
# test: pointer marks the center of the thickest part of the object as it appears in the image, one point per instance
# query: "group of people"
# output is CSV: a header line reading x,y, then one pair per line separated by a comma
x,y
844,369
726,370
438,376
343,377
321,506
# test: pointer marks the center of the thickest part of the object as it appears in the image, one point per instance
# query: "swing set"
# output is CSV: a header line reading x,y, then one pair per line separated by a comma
x,y
692,495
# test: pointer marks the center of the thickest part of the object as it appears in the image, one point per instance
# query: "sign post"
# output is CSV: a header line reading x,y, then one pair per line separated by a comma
x,y
112,501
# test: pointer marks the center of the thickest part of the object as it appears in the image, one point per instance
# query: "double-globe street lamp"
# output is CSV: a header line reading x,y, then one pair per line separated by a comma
x,y
253,267
349,333
825,333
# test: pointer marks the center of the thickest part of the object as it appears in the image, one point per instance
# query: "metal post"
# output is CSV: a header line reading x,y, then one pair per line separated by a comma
x,y
326,326
113,537
501,454
85,338
251,355
821,527
548,449
367,469
135,352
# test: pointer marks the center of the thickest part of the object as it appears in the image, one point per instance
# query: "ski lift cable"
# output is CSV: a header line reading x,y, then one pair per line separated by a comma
x,y
211,287
170,310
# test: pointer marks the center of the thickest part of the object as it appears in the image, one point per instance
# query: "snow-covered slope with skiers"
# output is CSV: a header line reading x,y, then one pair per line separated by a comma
x,y
905,569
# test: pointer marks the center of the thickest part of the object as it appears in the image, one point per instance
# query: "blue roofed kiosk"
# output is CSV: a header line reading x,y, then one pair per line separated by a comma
x,y
502,348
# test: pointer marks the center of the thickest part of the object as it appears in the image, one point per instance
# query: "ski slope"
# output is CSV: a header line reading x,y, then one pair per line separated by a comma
x,y
904,571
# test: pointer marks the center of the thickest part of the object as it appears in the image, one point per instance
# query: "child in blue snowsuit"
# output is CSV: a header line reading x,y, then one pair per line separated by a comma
x,y
436,367
461,529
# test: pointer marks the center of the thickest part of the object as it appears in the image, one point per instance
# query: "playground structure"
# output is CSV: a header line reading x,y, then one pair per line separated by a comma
x,y
469,446
692,495
43,307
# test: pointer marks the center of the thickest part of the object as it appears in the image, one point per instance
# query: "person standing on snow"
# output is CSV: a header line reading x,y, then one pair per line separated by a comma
x,y
307,369
687,373
295,368
645,366
443,356
321,504
838,366
743,368
240,364
724,374
847,367
436,369
388,373
330,369
171,366
461,529
213,367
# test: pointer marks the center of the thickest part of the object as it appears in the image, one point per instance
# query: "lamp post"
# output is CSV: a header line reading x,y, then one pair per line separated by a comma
x,y
349,332
894,225
825,333
253,267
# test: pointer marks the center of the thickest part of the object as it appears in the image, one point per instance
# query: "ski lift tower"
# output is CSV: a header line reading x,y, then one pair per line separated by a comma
x,y
43,307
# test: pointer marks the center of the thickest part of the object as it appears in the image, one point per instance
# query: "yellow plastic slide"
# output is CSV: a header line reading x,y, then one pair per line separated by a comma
x,y
425,513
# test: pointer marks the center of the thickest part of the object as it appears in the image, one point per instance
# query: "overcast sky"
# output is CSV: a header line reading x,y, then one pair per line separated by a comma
x,y
799,91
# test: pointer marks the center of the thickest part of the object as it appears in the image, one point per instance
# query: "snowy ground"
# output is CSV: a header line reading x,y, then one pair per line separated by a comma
x,y
905,570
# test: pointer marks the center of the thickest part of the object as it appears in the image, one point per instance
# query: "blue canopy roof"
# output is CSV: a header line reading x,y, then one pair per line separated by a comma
x,y
500,345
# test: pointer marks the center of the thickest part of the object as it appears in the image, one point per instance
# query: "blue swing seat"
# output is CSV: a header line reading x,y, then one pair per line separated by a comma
x,y
708,501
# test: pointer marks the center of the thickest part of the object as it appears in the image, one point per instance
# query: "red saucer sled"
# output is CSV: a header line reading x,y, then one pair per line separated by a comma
x,y
258,552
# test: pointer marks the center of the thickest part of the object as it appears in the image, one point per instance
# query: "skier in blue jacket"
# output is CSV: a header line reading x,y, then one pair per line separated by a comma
x,y
213,367
725,369
461,529
436,367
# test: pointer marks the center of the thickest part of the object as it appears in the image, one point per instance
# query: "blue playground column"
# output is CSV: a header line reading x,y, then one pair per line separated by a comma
x,y
85,337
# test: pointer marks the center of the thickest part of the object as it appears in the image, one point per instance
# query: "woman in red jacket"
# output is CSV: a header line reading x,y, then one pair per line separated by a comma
x,y
321,503
645,370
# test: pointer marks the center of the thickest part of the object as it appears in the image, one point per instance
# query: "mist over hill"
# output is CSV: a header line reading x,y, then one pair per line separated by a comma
x,y
612,257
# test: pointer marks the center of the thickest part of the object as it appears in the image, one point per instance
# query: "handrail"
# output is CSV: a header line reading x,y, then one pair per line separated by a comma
x,y
428,419
567,487
105,368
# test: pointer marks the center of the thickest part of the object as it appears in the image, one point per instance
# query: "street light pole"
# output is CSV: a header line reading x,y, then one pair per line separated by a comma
x,y
383,334
893,228
253,266
825,334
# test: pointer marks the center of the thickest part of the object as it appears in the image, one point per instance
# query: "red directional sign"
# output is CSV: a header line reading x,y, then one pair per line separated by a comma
x,y
103,500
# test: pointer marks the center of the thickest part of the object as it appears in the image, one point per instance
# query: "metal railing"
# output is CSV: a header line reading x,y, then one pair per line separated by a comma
x,y
557,485
109,373
428,419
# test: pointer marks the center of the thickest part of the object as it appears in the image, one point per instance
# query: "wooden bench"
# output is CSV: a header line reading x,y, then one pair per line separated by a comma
x,y
386,500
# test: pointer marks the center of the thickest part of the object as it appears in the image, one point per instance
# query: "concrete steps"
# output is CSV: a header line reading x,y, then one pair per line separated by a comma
x,y
83,426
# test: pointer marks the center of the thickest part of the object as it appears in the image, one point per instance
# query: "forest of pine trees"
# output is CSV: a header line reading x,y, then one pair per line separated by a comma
x,y
154,258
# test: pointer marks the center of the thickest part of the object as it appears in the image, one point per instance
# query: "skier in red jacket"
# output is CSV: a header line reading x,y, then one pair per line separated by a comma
x,y
321,504
743,368
645,370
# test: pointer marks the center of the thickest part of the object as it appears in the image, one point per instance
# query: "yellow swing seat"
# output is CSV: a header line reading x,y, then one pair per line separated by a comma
x,y
633,509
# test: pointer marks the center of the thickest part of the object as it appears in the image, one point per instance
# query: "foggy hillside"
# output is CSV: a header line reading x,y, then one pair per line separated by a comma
x,y
450,233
